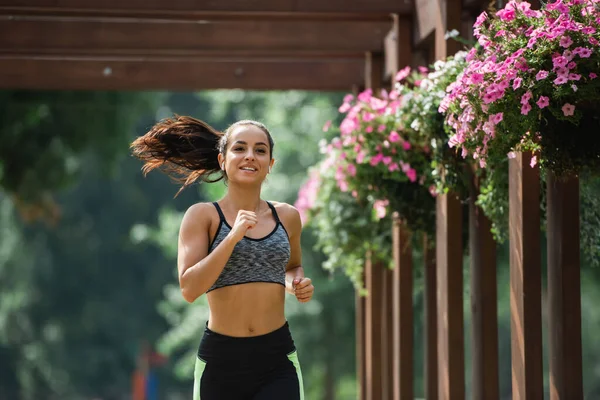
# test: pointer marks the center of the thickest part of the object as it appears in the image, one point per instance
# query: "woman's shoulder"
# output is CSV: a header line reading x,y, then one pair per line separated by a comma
x,y
288,214
203,212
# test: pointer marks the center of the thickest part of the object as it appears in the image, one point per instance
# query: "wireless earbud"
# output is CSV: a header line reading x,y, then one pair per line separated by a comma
x,y
223,166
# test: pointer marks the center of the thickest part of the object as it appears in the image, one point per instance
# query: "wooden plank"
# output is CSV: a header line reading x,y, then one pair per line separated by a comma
x,y
242,9
430,372
387,344
173,74
398,51
451,365
373,330
484,303
403,313
525,279
564,292
105,36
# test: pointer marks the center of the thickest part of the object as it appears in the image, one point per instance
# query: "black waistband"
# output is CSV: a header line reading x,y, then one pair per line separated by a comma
x,y
218,347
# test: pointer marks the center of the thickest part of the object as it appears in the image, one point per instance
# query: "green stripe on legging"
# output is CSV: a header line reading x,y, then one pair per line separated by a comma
x,y
293,357
198,371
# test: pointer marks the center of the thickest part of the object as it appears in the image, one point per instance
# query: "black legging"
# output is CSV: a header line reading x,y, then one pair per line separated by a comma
x,y
254,368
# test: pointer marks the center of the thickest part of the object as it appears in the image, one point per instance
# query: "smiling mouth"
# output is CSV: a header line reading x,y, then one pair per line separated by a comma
x,y
248,169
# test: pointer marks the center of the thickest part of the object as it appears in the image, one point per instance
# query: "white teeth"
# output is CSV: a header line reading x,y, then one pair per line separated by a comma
x,y
248,169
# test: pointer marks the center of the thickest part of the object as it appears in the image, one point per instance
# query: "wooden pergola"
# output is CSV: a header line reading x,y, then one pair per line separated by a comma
x,y
340,45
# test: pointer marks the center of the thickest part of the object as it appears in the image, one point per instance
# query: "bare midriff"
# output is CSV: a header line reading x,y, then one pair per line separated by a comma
x,y
249,309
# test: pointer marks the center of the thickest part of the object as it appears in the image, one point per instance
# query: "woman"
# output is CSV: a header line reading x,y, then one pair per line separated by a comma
x,y
242,251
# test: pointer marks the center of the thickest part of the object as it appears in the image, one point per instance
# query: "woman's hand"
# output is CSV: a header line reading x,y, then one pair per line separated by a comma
x,y
245,220
303,289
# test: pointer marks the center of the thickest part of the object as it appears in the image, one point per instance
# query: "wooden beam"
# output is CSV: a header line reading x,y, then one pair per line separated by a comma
x,y
105,36
525,279
451,357
430,371
564,291
398,50
484,302
402,318
230,9
373,329
173,74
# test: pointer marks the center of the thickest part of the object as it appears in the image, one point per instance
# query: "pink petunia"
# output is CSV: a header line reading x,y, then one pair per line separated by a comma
x,y
406,145
566,41
541,75
543,101
394,137
326,126
402,74
517,83
525,108
568,109
593,75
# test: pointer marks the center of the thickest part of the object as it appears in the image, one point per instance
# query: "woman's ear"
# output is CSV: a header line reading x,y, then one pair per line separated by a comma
x,y
221,161
271,165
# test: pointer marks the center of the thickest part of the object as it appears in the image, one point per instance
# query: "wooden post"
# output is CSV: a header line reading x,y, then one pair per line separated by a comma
x,y
525,279
360,344
451,365
430,317
564,292
484,303
373,330
403,313
376,308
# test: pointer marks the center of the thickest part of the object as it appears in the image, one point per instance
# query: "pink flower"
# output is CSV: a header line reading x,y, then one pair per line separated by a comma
x,y
369,129
381,128
543,102
585,52
380,208
326,126
533,161
344,108
568,109
574,77
394,137
512,155
497,118
517,83
402,74
561,79
393,167
525,109
360,157
387,160
480,19
351,169
348,98
541,75
406,145
377,159
411,174
593,75
566,41
506,14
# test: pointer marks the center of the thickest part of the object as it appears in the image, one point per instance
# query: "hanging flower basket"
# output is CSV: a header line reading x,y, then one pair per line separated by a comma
x,y
531,85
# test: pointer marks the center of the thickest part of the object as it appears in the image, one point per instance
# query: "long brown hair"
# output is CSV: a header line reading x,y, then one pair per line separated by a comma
x,y
187,149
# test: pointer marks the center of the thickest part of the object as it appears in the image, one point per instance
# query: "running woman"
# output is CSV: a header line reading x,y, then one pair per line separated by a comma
x,y
242,251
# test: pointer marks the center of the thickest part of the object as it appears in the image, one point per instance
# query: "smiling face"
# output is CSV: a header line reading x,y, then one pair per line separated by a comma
x,y
248,155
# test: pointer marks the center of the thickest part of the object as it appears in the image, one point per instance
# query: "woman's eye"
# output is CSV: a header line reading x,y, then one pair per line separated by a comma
x,y
263,151
238,149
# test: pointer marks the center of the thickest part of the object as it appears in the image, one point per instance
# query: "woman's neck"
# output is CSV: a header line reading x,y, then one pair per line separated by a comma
x,y
243,198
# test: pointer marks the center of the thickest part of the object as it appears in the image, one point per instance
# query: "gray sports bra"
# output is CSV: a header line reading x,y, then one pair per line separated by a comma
x,y
253,260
